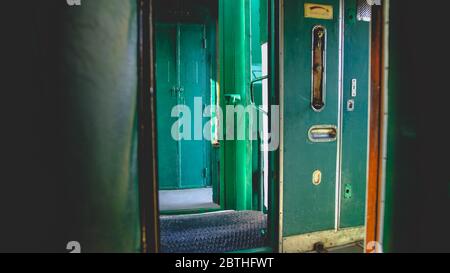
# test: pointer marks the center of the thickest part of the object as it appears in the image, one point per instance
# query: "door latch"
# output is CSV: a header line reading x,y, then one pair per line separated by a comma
x,y
354,87
205,172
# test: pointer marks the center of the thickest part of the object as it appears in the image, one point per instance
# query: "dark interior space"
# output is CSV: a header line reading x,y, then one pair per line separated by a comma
x,y
419,97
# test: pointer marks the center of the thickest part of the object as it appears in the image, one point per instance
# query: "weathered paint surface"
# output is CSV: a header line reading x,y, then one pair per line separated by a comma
x,y
311,199
355,123
183,76
305,242
307,207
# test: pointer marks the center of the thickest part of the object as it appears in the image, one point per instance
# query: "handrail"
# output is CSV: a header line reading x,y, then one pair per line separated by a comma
x,y
252,85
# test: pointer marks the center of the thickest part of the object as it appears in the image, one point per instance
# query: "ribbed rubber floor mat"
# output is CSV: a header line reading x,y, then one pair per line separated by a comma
x,y
213,232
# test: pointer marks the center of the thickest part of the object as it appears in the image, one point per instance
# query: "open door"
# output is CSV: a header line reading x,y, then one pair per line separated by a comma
x,y
325,91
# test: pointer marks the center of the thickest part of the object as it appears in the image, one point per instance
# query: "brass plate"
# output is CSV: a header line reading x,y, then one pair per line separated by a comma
x,y
318,11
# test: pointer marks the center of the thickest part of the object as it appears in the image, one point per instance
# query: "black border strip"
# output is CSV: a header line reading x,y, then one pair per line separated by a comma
x,y
148,182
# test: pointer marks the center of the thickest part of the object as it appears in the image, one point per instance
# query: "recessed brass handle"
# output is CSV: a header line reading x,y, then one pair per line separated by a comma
x,y
322,133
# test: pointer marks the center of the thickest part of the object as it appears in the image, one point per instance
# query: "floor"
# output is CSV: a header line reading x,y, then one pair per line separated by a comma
x,y
186,199
216,232
352,248
357,247
222,231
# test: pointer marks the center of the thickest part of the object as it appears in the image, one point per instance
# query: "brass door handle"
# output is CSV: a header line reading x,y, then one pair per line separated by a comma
x,y
318,68
322,133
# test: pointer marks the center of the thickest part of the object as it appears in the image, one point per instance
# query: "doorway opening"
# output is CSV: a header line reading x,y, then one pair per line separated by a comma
x,y
186,73
213,192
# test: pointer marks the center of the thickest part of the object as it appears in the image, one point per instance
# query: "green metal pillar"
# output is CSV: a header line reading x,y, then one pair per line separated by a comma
x,y
235,80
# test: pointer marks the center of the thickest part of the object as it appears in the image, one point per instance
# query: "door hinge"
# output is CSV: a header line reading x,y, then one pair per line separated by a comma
x,y
205,173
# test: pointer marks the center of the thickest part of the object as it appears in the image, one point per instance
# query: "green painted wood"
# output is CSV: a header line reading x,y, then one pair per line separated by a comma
x,y
183,76
307,207
355,124
194,76
166,99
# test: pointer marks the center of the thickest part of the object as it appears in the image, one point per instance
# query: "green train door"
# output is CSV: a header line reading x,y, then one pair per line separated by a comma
x,y
182,79
325,89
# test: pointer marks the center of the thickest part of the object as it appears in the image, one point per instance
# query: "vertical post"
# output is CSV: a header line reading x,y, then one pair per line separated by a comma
x,y
235,79
273,35
375,120
148,179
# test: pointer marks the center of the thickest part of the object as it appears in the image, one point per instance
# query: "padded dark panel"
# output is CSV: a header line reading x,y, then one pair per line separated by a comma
x,y
69,137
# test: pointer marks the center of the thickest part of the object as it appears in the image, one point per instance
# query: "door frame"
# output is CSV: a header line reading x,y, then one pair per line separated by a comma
x,y
148,171
147,160
215,150
378,132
